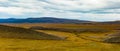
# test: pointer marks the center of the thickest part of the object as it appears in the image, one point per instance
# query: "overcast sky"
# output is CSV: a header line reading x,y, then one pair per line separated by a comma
x,y
95,10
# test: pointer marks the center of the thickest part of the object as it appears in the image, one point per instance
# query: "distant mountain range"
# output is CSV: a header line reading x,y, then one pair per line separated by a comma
x,y
53,20
42,20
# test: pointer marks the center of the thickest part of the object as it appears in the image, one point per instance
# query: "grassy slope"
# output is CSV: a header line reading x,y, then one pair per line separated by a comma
x,y
72,43
22,33
88,43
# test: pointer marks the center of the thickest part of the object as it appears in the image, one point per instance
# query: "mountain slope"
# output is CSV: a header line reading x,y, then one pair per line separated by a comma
x,y
22,33
41,20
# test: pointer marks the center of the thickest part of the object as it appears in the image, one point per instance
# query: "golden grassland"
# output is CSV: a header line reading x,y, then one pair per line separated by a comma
x,y
74,26
83,42
73,43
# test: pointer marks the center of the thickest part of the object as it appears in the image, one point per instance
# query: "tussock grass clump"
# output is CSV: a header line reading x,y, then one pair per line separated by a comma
x,y
22,33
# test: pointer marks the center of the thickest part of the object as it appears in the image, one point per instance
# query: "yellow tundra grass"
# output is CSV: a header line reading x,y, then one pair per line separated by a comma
x,y
84,42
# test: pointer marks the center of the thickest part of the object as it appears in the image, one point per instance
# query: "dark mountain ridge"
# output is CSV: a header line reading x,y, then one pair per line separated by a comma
x,y
54,20
42,20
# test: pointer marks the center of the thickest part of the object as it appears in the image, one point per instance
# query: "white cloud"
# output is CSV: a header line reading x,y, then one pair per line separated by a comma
x,y
79,4
15,10
101,17
75,9
3,0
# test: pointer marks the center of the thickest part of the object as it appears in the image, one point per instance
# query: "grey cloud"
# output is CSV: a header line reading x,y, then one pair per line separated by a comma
x,y
59,8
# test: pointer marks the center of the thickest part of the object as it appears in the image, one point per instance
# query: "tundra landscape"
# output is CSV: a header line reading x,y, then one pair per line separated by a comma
x,y
88,36
59,25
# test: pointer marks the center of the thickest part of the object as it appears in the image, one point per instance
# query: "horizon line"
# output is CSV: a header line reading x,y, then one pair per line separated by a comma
x,y
59,18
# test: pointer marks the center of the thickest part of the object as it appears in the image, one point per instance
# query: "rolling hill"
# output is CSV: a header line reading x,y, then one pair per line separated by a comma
x,y
41,20
22,33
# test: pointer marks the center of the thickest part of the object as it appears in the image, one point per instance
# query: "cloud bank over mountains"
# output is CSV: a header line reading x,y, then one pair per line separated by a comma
x,y
96,10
